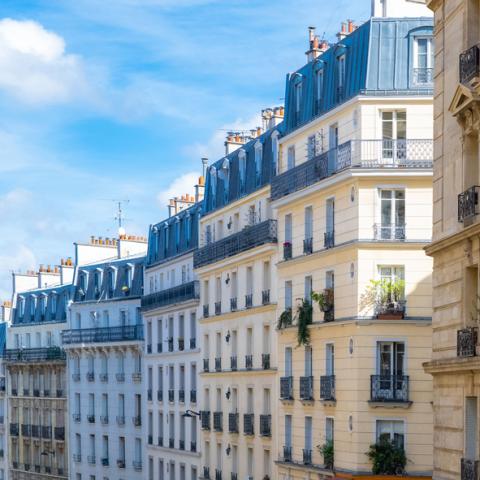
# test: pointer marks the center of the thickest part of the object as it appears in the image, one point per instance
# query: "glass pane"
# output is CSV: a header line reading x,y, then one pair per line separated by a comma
x,y
385,359
386,212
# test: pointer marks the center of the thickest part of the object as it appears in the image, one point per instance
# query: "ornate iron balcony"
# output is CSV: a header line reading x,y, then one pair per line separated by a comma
x,y
103,335
218,364
329,239
266,361
171,395
248,362
104,419
306,388
180,293
47,432
469,469
193,343
389,388
36,431
170,344
91,418
468,203
308,246
383,231
233,363
233,304
218,421
248,238
218,308
248,423
233,422
286,388
59,433
105,462
149,348
327,387
249,300
234,476
287,454
287,251
218,474
120,419
181,344
206,365
103,377
265,425
205,419
206,473
422,77
160,395
265,297
26,430
25,355
181,396
469,64
467,342
307,457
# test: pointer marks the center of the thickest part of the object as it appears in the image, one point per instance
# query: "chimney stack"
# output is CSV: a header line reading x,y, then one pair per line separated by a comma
x,y
343,32
234,141
313,51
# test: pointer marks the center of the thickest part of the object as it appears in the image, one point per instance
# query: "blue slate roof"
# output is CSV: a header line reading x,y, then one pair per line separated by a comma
x,y
174,236
47,304
3,337
107,280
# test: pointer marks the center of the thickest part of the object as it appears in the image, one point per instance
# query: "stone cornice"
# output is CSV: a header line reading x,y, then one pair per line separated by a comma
x,y
452,239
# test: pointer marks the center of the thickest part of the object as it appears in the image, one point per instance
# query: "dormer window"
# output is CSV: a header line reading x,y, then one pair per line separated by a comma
x,y
165,233
111,282
258,163
96,284
177,235
128,277
275,151
42,306
213,186
423,61
242,169
21,306
81,281
224,175
298,100
341,69
33,305
53,300
188,228
318,90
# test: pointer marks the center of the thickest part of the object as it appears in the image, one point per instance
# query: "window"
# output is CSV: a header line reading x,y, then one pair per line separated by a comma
x,y
393,274
288,362
54,301
329,429
341,68
392,430
213,186
318,89
471,436
111,282
291,157
392,215
298,100
308,434
308,289
423,61
275,151
258,163
288,228
242,168
308,223
330,359
394,134
288,430
311,147
288,295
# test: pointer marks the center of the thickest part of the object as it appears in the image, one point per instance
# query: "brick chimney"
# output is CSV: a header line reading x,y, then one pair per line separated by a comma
x,y
313,51
177,204
271,117
343,32
234,141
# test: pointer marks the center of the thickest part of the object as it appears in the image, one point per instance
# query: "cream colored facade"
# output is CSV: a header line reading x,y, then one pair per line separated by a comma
x,y
455,248
350,247
238,385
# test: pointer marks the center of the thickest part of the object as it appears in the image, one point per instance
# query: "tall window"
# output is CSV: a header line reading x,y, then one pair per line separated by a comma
x,y
392,274
394,134
258,163
423,61
392,430
291,157
288,431
318,89
298,100
341,69
392,215
311,146
275,151
288,295
242,168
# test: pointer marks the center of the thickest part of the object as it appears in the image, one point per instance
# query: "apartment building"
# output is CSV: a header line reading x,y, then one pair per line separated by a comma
x,y
235,265
455,248
170,310
103,342
353,201
37,433
5,311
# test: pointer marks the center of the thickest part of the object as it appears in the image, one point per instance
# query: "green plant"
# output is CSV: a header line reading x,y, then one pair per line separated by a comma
x,y
327,451
285,319
325,302
387,458
384,295
304,319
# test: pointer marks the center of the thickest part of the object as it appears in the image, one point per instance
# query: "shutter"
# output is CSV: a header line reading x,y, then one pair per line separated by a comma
x,y
470,427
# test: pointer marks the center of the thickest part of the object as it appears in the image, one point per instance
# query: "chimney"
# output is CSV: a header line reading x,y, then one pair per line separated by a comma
x,y
200,189
351,26
343,32
233,141
323,46
313,51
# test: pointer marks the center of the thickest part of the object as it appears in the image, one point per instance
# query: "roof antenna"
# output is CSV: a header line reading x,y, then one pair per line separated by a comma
x,y
120,218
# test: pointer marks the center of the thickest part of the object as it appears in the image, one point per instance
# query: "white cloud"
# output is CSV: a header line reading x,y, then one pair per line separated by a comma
x,y
180,186
34,66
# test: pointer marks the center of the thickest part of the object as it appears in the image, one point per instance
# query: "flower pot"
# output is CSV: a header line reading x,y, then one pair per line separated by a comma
x,y
390,316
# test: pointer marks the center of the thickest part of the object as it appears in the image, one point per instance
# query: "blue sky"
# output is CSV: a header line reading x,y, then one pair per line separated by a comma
x,y
115,99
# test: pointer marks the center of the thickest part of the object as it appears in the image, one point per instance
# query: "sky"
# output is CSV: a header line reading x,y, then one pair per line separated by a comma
x,y
107,100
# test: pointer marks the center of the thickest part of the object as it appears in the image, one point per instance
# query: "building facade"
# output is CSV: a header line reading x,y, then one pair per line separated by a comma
x,y
352,198
170,309
455,247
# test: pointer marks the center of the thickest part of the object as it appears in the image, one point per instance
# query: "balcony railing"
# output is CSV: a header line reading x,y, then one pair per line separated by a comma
x,y
287,251
469,469
233,422
47,432
218,421
120,419
382,231
218,308
26,430
248,423
249,300
218,364
218,474
36,431
171,395
286,388
14,429
233,363
248,362
59,433
287,454
467,342
193,446
266,361
327,387
308,246
205,419
389,388
306,388
206,365
412,153
233,304
206,312
35,354
103,335
248,238
206,473
265,425
422,77
193,343
180,293
265,297
181,395
307,457
193,396
329,239
469,64
468,205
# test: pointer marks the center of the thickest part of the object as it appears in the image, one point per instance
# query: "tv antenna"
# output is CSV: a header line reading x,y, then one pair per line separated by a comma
x,y
119,217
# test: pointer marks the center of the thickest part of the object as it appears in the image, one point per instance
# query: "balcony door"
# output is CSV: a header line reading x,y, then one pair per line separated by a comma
x,y
391,368
392,215
394,135
333,144
330,359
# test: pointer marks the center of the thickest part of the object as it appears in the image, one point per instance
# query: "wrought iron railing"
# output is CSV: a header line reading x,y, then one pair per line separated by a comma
x,y
218,364
422,77
248,362
249,300
206,312
233,304
265,297
266,361
382,231
171,395
248,423
218,308
35,354
248,238
307,245
206,365
193,396
327,387
469,469
287,251
206,473
218,474
389,388
329,239
306,388
286,388
59,433
181,395
307,457
467,342
180,293
205,419
233,422
233,363
287,454
193,343
265,425
103,335
469,64
218,421
468,205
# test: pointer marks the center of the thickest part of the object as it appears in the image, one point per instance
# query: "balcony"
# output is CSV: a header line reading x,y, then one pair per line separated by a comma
x,y
170,344
193,446
181,344
218,364
248,362
286,388
103,377
234,476
160,441
287,251
382,232
233,363
149,395
307,457
91,459
308,246
103,335
218,474
2,384
248,423
171,443
26,392
218,421
383,153
266,361
26,430
233,304
137,421
327,387
149,348
77,457
468,206
193,343
91,418
469,64
159,347
329,239
206,365
249,300
266,425
90,376
233,422
27,355
206,473
306,388
469,469
422,77
137,377
120,377
389,388
206,311
76,417
181,444
104,419
105,462
205,419
248,238
467,342
47,432
46,392
171,296
181,396
193,396
218,308
14,429
120,420
36,431
121,463
287,454
137,465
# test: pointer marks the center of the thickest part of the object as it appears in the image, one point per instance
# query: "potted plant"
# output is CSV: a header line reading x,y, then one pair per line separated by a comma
x,y
326,450
387,458
285,319
325,301
126,289
304,319
386,297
